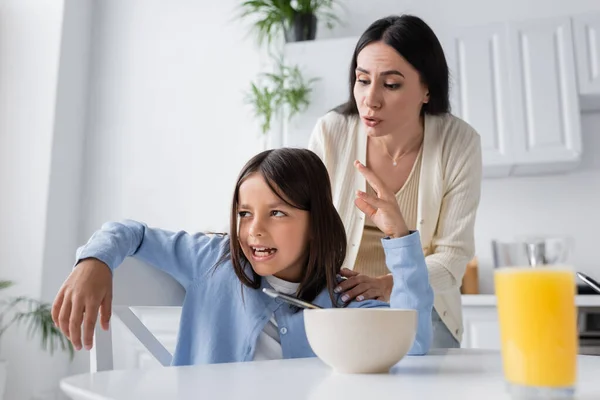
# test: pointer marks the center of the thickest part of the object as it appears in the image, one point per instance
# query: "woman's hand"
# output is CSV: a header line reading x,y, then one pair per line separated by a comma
x,y
87,290
363,287
383,209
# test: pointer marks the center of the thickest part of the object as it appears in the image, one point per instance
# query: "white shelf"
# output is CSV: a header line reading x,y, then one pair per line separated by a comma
x,y
489,300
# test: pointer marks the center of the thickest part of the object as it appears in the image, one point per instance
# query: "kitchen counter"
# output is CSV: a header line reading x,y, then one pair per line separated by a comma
x,y
443,373
487,300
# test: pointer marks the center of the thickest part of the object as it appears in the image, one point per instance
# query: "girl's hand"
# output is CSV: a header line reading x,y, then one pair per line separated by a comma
x,y
87,290
383,209
363,287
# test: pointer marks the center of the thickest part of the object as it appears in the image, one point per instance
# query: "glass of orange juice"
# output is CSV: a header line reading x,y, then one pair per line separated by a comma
x,y
538,330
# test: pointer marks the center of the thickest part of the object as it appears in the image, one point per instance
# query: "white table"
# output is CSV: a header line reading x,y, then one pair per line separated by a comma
x,y
444,374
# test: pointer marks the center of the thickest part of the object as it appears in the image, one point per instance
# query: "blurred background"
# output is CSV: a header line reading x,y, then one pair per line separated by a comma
x,y
140,109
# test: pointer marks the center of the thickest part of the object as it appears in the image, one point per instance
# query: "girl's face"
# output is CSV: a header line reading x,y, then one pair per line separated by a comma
x,y
273,235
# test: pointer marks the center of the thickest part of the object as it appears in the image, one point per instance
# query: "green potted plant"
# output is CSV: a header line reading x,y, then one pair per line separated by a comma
x,y
297,19
37,316
282,93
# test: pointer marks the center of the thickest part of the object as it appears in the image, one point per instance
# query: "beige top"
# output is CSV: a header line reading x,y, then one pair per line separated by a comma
x,y
370,259
448,196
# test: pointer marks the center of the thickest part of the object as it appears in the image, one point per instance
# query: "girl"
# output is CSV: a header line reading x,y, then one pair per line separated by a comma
x,y
285,234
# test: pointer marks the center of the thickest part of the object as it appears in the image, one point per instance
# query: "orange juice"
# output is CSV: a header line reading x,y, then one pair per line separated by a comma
x,y
538,325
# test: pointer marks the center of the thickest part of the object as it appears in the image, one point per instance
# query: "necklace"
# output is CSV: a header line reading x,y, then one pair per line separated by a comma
x,y
399,156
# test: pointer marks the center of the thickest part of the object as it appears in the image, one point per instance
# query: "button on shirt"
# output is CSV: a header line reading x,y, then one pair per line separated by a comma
x,y
268,345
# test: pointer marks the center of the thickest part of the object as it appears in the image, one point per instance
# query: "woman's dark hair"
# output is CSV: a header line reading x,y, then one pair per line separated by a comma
x,y
414,40
299,178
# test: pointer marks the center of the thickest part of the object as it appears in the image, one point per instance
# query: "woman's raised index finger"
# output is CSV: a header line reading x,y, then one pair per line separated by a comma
x,y
371,177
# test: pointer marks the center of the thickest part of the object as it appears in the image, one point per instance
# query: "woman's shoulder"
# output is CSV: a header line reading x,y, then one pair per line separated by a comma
x,y
454,126
333,124
454,129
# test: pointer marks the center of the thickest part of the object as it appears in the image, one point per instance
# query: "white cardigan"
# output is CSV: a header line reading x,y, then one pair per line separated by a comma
x,y
449,193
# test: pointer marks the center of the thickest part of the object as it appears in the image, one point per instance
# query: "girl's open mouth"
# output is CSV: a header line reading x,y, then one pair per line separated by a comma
x,y
263,253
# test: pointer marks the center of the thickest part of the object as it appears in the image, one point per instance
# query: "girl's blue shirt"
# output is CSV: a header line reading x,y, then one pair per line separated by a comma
x,y
218,325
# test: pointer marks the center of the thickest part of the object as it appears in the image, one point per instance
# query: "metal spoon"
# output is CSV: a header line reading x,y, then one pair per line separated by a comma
x,y
289,299
590,282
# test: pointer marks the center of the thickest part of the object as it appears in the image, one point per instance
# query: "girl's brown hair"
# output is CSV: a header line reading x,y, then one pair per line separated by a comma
x,y
299,178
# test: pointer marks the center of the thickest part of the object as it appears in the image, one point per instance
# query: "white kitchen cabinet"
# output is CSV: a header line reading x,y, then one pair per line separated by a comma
x,y
515,83
481,325
547,121
481,328
586,32
477,59
586,35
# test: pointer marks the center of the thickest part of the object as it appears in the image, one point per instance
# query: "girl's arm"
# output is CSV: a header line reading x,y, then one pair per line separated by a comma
x,y
411,290
87,291
182,255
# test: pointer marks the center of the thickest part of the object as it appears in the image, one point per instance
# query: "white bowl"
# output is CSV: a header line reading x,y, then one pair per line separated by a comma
x,y
360,340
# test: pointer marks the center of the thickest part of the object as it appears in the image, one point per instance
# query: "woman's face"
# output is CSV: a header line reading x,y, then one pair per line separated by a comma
x,y
388,90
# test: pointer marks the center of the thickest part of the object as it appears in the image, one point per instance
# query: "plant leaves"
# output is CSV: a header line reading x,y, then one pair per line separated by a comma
x,y
37,317
275,90
270,17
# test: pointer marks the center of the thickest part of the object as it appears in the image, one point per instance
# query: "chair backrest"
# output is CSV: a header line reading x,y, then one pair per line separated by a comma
x,y
136,284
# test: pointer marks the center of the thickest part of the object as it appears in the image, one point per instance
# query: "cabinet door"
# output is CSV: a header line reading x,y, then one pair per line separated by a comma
x,y
545,102
484,335
586,31
482,330
480,93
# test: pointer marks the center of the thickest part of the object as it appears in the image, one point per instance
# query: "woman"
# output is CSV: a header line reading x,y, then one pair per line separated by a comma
x,y
397,121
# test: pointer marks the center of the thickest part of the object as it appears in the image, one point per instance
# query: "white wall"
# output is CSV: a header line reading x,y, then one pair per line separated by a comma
x,y
441,14
65,172
167,129
566,204
65,175
30,36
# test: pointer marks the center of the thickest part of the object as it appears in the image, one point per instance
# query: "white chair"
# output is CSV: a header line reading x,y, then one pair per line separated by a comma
x,y
135,284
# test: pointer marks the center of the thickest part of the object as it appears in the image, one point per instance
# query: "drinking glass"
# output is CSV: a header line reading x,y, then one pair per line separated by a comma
x,y
538,330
